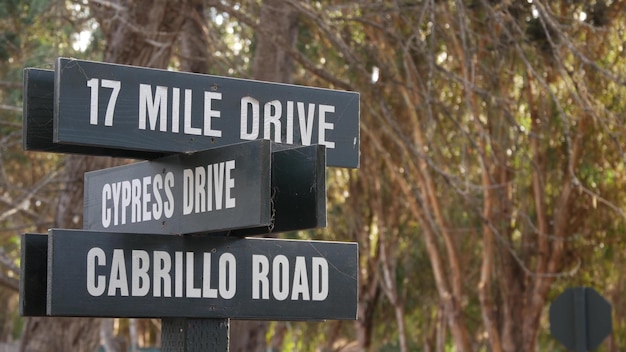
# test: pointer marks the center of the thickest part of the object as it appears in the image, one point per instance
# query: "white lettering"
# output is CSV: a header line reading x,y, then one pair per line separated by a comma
x,y
300,280
323,125
188,129
146,197
218,180
271,117
191,290
152,107
175,109
143,196
135,200
126,199
209,113
178,265
117,279
207,291
117,189
150,274
209,188
306,122
157,206
319,291
200,193
106,211
260,282
140,280
289,138
247,102
282,284
162,267
95,284
230,184
280,277
228,276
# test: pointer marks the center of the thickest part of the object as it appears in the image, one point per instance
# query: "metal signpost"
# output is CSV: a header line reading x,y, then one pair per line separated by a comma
x,y
164,238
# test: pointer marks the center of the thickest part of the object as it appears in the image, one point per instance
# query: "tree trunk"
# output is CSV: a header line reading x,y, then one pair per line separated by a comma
x,y
194,41
272,61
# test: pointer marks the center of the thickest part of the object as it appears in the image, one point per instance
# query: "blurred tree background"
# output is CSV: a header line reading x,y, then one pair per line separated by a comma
x,y
492,167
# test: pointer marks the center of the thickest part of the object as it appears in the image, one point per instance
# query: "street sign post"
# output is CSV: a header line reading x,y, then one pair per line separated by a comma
x,y
134,275
136,108
229,158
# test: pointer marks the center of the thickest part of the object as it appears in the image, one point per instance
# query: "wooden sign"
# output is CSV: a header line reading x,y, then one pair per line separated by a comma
x,y
33,274
219,189
126,107
184,195
37,123
132,275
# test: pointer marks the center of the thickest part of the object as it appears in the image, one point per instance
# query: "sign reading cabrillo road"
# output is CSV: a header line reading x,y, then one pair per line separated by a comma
x,y
126,107
218,189
133,275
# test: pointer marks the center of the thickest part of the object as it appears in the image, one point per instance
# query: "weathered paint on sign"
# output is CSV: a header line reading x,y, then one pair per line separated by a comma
x,y
126,107
218,189
133,275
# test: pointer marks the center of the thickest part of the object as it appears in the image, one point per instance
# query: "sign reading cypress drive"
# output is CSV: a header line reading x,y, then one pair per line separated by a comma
x,y
134,275
224,188
157,110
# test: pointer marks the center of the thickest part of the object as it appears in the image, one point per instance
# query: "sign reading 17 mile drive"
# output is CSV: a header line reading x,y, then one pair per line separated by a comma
x,y
173,112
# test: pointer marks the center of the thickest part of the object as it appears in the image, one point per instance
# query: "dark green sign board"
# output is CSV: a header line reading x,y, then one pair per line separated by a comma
x,y
218,189
225,190
132,275
135,108
229,158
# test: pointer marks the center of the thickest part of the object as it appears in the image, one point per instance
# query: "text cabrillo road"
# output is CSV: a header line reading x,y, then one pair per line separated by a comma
x,y
126,107
219,189
134,275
